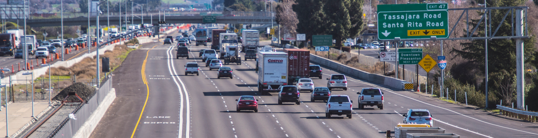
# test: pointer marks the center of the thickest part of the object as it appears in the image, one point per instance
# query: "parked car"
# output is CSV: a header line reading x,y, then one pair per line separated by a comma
x,y
320,93
305,84
191,68
315,71
339,104
225,72
418,116
215,64
371,97
337,81
247,102
289,93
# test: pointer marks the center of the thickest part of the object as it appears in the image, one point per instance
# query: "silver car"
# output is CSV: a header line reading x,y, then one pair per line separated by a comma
x,y
337,81
305,84
418,116
215,64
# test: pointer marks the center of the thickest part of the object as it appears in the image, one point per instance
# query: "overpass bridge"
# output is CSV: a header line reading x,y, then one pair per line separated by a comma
x,y
75,19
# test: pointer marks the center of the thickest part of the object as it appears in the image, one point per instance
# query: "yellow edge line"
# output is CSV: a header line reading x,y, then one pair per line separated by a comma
x,y
143,73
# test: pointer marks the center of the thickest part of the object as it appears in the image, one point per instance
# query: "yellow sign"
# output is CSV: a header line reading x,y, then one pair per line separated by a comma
x,y
426,32
272,32
427,63
408,86
236,30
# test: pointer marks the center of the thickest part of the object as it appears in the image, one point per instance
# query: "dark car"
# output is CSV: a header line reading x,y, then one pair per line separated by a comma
x,y
182,52
225,72
201,52
247,102
56,45
19,53
167,41
52,49
358,47
320,93
288,93
315,71
171,37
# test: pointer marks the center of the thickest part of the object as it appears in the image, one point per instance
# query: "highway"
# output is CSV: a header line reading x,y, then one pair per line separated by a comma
x,y
175,105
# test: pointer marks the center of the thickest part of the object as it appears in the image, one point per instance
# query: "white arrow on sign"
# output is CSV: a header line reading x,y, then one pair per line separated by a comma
x,y
386,33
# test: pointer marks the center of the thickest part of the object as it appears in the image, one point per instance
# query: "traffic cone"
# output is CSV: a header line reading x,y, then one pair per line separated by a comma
x,y
12,68
43,61
27,66
57,56
19,67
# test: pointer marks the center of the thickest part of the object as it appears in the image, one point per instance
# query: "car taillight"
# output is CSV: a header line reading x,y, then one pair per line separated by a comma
x,y
198,69
329,94
350,105
311,83
320,70
230,71
332,81
285,83
185,68
283,92
344,81
264,83
382,98
411,119
220,71
362,97
329,105
429,118
298,93
301,84
240,103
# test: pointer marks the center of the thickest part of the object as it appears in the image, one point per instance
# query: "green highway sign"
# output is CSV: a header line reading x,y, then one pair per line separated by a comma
x,y
412,21
409,56
209,19
322,40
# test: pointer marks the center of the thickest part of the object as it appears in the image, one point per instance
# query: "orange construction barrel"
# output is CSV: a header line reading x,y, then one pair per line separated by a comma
x,y
43,61
57,56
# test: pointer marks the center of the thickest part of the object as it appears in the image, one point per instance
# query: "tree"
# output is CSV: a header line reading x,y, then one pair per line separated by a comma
x,y
338,15
83,5
311,18
502,65
286,17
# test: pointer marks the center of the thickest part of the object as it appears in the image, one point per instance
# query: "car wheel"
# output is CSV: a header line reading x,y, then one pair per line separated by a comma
x,y
256,110
361,106
177,57
218,77
197,74
298,103
327,115
187,57
279,102
320,77
349,116
345,89
312,100
231,77
185,74
380,107
238,110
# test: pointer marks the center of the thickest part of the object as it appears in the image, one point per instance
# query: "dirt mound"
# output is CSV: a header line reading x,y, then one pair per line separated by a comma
x,y
81,89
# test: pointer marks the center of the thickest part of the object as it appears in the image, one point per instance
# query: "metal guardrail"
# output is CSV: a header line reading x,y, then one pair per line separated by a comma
x,y
520,114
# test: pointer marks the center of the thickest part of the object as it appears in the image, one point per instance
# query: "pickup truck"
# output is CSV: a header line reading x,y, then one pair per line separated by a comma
x,y
192,68
250,54
182,51
339,104
209,53
371,97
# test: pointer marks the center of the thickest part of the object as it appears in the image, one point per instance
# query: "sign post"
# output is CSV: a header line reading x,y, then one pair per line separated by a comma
x,y
412,21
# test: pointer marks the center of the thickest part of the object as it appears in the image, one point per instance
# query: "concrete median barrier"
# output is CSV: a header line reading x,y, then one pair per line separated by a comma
x,y
389,82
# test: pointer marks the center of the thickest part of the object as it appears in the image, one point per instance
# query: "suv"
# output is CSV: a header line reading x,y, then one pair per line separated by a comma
x,y
167,41
209,53
305,84
320,93
418,116
250,54
171,38
191,67
371,97
42,52
339,104
315,71
288,93
182,51
337,81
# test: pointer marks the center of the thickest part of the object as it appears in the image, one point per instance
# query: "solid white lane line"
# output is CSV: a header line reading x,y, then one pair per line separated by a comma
x,y
170,70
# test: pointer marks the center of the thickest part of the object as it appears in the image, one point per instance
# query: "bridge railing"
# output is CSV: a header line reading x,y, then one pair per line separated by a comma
x,y
519,114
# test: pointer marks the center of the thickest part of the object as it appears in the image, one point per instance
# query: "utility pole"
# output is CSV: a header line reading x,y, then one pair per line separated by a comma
x,y
120,16
132,13
62,39
97,11
487,70
520,59
107,18
24,46
88,33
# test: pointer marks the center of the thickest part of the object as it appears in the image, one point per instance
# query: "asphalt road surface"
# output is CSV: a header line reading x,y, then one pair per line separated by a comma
x,y
204,106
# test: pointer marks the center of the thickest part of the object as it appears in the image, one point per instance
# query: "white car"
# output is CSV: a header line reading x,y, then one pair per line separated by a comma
x,y
42,52
215,64
209,53
418,116
305,84
339,104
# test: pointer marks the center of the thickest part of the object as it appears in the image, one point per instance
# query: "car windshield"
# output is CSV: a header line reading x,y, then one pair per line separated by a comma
x,y
321,90
314,67
338,77
41,49
192,65
225,68
247,98
338,99
289,89
420,113
371,92
305,81
209,52
215,61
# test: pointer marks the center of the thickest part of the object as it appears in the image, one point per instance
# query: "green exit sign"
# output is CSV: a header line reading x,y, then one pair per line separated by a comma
x,y
409,56
209,19
412,21
322,40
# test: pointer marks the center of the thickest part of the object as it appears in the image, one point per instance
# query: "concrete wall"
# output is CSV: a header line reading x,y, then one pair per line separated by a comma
x,y
390,82
86,130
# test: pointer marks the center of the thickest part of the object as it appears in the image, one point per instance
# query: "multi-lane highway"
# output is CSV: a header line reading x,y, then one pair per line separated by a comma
x,y
156,99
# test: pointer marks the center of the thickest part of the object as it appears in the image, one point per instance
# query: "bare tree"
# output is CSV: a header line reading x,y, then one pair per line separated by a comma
x,y
286,17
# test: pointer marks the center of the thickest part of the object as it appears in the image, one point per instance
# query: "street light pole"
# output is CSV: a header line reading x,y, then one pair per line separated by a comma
x,y
97,11
132,13
24,46
120,16
62,39
50,86
89,30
